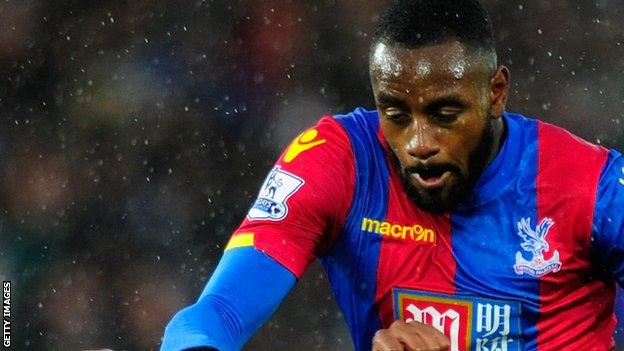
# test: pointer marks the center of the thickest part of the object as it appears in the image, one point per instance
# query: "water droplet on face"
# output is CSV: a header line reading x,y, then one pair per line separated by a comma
x,y
386,62
457,67
423,67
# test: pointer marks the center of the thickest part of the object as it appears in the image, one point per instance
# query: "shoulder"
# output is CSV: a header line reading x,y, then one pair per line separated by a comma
x,y
565,162
611,184
552,135
562,150
564,146
570,161
326,140
359,122
332,139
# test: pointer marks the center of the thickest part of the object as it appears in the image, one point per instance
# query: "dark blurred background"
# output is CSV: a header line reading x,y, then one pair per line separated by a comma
x,y
135,134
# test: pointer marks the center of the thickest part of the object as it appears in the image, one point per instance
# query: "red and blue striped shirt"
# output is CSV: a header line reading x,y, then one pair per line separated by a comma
x,y
529,261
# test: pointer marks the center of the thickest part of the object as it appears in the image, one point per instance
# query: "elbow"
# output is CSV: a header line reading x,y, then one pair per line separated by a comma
x,y
207,323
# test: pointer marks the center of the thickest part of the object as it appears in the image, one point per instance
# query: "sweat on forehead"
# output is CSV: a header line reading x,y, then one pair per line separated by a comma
x,y
448,59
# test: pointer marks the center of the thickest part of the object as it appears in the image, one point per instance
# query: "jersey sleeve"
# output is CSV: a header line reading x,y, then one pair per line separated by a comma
x,y
607,242
243,292
304,199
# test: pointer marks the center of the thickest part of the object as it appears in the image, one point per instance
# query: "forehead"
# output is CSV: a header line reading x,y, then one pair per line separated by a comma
x,y
440,67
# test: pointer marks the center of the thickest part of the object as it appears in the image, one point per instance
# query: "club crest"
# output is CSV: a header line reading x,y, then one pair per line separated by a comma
x,y
535,243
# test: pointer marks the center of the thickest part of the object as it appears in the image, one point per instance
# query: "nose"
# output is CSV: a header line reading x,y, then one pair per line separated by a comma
x,y
423,143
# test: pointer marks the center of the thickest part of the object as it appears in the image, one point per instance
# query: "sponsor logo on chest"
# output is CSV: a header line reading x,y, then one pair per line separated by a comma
x,y
470,323
414,232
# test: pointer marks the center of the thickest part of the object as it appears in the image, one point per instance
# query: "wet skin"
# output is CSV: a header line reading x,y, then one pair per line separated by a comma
x,y
440,112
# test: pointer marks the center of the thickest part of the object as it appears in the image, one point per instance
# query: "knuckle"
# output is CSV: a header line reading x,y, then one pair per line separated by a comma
x,y
443,346
397,324
379,334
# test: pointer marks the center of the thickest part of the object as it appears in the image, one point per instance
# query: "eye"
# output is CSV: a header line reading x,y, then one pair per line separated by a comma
x,y
396,116
446,116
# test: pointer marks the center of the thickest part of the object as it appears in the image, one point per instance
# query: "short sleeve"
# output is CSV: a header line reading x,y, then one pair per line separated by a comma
x,y
304,199
608,225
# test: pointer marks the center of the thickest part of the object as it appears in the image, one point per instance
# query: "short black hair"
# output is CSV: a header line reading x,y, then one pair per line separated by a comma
x,y
417,23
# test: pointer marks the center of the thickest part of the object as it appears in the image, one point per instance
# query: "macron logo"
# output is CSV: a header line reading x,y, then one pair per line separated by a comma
x,y
414,232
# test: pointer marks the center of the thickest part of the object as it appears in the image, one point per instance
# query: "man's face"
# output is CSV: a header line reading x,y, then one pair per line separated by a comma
x,y
435,110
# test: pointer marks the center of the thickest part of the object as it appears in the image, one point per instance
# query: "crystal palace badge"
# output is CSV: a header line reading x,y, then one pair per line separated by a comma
x,y
535,243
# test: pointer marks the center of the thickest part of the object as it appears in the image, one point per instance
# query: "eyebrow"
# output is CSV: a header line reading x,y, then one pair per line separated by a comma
x,y
433,106
445,101
389,100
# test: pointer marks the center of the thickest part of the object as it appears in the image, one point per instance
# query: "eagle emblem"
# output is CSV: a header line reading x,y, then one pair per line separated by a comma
x,y
535,243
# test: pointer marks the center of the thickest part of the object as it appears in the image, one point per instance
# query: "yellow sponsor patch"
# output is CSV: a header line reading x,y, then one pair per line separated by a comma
x,y
414,232
304,142
240,240
622,179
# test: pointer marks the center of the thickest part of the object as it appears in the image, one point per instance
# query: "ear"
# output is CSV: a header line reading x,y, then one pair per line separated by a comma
x,y
499,88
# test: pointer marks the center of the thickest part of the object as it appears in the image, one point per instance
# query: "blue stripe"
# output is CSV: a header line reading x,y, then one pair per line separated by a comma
x,y
485,236
607,244
352,263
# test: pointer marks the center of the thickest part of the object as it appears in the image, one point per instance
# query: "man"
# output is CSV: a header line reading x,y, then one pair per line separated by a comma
x,y
444,222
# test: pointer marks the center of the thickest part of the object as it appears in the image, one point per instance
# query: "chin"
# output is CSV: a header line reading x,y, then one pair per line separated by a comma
x,y
438,206
432,201
442,200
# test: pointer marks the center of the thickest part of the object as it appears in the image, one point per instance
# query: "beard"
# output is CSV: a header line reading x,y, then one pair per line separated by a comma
x,y
448,197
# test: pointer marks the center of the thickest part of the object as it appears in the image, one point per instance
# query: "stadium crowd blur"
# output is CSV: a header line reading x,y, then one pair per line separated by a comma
x,y
135,135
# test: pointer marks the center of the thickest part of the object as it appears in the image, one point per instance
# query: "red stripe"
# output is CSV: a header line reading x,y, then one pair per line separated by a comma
x,y
409,264
576,307
317,209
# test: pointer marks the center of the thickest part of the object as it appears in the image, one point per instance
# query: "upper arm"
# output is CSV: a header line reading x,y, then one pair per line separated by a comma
x,y
297,215
608,224
305,198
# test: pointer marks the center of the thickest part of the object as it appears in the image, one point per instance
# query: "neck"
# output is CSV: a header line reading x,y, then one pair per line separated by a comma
x,y
499,130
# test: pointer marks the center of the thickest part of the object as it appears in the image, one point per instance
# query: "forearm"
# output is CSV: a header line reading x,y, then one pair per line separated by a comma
x,y
244,291
201,324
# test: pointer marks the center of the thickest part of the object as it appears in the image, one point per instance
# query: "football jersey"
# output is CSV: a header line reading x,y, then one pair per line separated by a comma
x,y
529,261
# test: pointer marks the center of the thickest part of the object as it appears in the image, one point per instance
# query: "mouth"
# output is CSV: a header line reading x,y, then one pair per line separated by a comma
x,y
430,179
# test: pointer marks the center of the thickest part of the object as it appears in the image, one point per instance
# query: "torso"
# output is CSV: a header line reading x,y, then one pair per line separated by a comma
x,y
481,274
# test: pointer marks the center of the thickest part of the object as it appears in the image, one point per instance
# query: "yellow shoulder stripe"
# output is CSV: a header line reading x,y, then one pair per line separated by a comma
x,y
240,240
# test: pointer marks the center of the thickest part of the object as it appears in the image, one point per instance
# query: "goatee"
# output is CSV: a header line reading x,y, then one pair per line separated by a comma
x,y
447,198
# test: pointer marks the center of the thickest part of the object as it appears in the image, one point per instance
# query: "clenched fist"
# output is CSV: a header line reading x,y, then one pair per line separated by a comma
x,y
412,336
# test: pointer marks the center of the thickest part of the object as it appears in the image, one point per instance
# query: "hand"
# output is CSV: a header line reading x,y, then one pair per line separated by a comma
x,y
412,336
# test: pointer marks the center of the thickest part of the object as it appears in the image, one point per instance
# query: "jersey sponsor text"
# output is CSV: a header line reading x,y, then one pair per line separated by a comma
x,y
470,323
414,232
